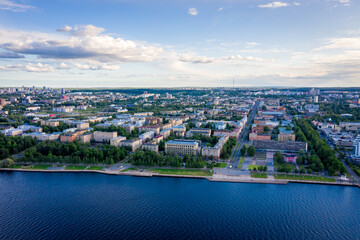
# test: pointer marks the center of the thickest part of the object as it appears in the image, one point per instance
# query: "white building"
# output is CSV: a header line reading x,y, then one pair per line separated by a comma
x,y
63,109
356,147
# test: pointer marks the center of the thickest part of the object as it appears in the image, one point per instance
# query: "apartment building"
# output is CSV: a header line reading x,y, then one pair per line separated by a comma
x,y
104,136
182,147
134,144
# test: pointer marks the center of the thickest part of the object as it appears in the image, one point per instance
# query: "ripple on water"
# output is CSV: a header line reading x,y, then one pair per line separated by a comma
x,y
94,206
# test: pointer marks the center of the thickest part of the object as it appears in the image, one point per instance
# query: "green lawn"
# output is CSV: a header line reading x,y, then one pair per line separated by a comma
x,y
260,155
221,165
251,167
241,162
292,166
16,166
182,172
356,170
306,178
95,168
129,169
75,167
258,175
43,167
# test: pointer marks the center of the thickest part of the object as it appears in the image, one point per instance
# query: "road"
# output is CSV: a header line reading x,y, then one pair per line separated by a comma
x,y
354,176
242,138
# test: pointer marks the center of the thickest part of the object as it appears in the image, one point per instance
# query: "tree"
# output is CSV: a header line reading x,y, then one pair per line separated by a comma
x,y
266,129
251,151
243,150
279,158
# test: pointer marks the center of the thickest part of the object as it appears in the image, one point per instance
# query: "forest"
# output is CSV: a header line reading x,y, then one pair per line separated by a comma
x,y
149,158
321,154
74,152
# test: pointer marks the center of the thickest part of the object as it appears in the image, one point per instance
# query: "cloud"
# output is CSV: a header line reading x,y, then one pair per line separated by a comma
x,y
63,66
30,67
96,66
10,55
82,30
84,42
346,3
14,7
202,59
341,43
252,44
274,5
296,4
220,9
193,11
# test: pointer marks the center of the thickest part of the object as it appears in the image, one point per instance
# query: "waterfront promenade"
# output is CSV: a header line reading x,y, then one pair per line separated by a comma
x,y
217,177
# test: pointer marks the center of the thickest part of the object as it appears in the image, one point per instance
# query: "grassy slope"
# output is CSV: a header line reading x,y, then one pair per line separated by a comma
x,y
306,178
182,172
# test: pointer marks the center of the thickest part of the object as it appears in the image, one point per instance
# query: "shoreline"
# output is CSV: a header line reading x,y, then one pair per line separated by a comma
x,y
216,178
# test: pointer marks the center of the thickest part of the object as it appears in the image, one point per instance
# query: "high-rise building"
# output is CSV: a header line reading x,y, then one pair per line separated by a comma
x,y
356,147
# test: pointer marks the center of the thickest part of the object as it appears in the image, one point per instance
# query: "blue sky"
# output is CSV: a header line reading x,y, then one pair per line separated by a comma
x,y
168,43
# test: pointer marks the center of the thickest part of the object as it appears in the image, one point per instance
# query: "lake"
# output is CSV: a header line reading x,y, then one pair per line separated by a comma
x,y
97,206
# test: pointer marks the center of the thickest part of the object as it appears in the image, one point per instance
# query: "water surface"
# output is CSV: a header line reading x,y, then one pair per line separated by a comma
x,y
96,206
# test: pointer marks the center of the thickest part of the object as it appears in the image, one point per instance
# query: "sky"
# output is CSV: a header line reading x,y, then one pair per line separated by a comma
x,y
180,43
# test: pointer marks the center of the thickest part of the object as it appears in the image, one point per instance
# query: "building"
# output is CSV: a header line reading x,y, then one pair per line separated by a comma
x,y
255,136
165,133
2,102
151,147
286,136
147,135
12,132
157,139
63,109
179,130
182,147
153,120
198,131
104,136
31,128
279,146
215,152
155,129
86,138
43,136
356,147
82,125
116,141
68,137
133,144
35,108
49,123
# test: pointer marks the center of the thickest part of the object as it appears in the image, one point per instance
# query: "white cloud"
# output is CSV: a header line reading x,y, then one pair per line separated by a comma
x,y
193,11
201,59
346,3
82,30
63,66
341,43
252,44
30,67
85,42
296,4
274,5
13,6
220,9
96,66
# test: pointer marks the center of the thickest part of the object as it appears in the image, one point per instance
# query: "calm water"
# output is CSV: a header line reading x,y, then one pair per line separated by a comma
x,y
95,206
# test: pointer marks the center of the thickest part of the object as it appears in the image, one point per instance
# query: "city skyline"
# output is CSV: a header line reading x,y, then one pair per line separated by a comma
x,y
188,44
